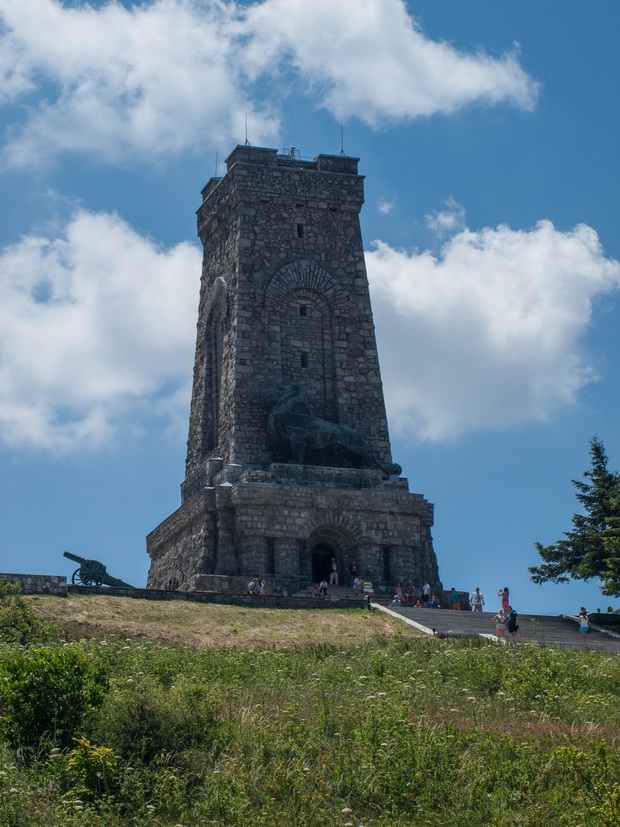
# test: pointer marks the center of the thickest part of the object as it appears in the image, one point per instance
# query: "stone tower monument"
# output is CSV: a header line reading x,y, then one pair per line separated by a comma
x,y
288,456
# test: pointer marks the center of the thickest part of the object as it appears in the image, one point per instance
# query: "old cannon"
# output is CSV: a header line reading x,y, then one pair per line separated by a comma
x,y
93,573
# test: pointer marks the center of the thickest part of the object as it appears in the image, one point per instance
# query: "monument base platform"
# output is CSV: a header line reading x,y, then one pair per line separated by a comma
x,y
287,523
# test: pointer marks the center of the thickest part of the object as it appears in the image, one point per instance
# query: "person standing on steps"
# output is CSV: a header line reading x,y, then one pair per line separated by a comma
x,y
333,573
426,594
512,624
476,600
584,625
455,600
353,571
504,594
500,624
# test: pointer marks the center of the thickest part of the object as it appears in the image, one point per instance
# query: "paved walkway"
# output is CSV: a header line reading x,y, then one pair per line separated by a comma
x,y
544,629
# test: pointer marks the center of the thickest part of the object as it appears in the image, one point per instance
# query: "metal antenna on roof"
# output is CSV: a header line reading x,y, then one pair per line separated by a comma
x,y
342,152
247,143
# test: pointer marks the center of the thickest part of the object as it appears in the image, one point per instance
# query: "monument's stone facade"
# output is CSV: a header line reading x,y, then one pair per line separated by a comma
x,y
286,369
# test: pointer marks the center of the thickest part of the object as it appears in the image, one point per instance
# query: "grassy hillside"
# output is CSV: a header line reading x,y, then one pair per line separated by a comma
x,y
347,721
203,624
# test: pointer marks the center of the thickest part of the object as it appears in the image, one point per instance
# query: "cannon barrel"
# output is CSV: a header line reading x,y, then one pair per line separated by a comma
x,y
75,557
114,581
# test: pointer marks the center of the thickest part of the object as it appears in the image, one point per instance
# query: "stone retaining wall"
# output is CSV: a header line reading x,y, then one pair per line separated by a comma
x,y
39,583
265,602
608,619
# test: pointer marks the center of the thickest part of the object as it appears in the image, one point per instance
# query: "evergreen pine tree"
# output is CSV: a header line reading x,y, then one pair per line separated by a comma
x,y
592,548
611,543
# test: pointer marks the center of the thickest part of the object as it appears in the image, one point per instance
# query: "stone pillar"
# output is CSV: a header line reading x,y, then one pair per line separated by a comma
x,y
305,562
286,554
402,563
370,561
419,574
428,560
227,560
253,555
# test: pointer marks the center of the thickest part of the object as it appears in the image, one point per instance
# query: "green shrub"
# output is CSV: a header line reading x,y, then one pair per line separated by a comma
x,y
18,623
91,770
143,719
45,695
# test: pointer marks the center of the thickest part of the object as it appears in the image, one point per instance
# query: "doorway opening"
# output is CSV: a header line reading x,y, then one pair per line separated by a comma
x,y
322,554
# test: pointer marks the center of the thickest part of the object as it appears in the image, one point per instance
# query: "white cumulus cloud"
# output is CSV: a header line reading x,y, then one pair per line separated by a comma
x,y
493,327
95,323
166,76
97,330
117,81
385,207
371,61
446,222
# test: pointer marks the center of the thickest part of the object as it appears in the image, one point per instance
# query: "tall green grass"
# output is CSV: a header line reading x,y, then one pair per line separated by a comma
x,y
398,732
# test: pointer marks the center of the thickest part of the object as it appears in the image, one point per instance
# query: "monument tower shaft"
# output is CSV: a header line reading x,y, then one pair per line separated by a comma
x,y
288,456
284,297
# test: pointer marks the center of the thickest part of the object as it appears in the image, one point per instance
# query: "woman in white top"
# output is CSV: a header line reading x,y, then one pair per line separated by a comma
x,y
584,625
500,624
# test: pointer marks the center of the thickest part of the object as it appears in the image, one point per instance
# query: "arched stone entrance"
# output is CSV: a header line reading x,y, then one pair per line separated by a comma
x,y
326,542
322,554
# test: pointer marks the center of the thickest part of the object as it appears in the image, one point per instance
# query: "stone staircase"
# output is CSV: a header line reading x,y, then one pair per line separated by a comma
x,y
546,630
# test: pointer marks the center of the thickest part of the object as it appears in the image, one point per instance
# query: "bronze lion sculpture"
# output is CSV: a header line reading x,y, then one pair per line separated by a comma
x,y
292,423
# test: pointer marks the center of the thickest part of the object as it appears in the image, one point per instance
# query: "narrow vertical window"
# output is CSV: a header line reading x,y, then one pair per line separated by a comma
x,y
304,359
303,309
271,556
300,231
387,568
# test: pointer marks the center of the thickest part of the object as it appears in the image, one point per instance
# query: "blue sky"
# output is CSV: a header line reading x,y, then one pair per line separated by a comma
x,y
488,135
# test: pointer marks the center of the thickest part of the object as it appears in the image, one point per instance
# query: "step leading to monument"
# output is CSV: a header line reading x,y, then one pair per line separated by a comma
x,y
547,630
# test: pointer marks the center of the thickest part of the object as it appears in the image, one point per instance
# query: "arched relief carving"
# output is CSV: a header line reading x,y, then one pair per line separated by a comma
x,y
215,309
334,523
216,299
326,534
304,298
306,275
212,336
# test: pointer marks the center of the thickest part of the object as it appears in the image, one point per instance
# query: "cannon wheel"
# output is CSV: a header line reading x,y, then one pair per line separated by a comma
x,y
90,573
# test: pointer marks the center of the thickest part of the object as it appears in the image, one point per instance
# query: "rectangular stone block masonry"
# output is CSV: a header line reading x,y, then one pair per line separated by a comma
x,y
289,462
39,583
